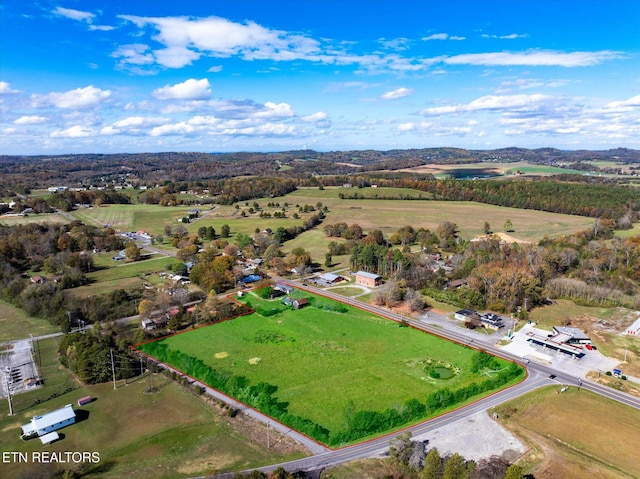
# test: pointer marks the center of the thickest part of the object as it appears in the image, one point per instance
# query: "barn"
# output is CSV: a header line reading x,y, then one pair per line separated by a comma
x,y
368,279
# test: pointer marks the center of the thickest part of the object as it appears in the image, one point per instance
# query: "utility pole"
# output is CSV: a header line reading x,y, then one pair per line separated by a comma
x,y
6,377
113,370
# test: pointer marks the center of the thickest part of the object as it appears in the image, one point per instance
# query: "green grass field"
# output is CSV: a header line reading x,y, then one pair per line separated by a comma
x,y
15,323
123,426
328,360
149,218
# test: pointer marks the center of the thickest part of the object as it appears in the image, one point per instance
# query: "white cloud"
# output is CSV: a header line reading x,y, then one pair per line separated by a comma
x,y
138,121
29,120
9,131
77,131
533,58
74,14
180,128
623,106
436,36
397,93
511,36
102,28
315,117
493,102
79,98
191,89
215,69
187,39
5,89
134,54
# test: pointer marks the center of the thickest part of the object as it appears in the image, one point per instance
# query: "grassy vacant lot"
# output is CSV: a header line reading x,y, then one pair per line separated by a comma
x,y
114,275
123,426
15,323
328,360
575,434
150,218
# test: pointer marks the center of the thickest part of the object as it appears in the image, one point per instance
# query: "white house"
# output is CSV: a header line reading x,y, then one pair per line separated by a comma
x,y
49,422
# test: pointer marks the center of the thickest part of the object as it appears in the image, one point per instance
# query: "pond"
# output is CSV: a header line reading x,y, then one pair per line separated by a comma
x,y
443,373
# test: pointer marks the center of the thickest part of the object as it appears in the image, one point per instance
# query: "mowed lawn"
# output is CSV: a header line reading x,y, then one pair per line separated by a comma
x,y
327,364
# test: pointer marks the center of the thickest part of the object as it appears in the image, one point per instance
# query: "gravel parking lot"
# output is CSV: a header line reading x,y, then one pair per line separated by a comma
x,y
475,437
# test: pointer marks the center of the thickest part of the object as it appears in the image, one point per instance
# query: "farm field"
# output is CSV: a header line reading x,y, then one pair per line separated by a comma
x,y
122,426
149,218
389,215
492,169
15,323
42,218
574,434
328,360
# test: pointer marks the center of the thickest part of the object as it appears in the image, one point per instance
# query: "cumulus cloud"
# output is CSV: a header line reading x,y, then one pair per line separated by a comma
x,y
79,98
81,16
74,14
180,128
187,39
76,131
545,115
5,89
191,89
397,93
533,58
29,120
436,36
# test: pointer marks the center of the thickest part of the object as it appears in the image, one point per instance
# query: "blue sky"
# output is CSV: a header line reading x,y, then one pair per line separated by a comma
x,y
220,75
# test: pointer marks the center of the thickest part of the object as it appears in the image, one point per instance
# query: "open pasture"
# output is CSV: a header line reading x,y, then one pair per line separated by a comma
x,y
389,215
328,360
575,434
491,169
40,218
150,218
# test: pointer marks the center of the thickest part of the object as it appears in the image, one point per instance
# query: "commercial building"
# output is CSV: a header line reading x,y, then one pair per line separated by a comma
x,y
49,422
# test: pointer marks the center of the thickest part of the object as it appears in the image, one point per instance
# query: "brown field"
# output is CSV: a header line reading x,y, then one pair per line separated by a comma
x,y
575,434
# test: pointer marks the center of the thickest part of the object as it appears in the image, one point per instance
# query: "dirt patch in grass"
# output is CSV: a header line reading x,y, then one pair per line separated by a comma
x,y
213,462
221,355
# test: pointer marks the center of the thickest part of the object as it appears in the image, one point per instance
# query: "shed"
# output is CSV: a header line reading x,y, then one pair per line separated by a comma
x,y
49,438
299,303
368,279
84,400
